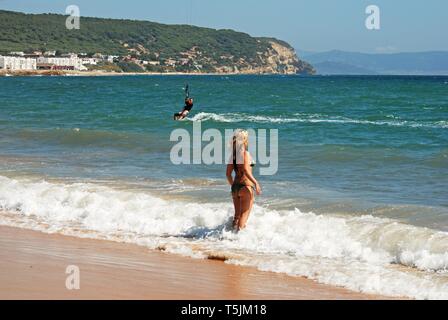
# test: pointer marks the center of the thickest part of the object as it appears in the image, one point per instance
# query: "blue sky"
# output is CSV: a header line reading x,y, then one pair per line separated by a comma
x,y
311,25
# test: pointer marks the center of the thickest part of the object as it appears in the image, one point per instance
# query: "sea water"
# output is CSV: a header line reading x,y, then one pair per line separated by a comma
x,y
360,199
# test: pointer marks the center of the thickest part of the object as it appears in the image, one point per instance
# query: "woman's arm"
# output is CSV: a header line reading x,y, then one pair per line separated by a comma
x,y
229,173
248,172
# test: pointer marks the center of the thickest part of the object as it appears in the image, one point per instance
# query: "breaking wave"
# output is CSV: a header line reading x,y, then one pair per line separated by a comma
x,y
313,118
365,253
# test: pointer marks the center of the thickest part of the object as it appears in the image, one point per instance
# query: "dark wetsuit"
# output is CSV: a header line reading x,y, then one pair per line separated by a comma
x,y
188,106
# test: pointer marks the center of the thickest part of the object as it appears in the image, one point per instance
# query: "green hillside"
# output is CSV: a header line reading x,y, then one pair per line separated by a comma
x,y
210,48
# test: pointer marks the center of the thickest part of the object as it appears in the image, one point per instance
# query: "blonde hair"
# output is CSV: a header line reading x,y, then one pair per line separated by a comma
x,y
241,137
239,145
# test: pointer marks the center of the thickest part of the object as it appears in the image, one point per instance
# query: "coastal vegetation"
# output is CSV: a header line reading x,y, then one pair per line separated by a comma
x,y
181,48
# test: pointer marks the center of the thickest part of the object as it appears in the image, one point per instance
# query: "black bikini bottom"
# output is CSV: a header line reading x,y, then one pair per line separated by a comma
x,y
237,187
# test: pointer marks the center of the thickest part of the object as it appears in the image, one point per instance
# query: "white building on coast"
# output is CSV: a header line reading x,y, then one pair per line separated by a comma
x,y
17,63
39,61
71,62
17,53
91,61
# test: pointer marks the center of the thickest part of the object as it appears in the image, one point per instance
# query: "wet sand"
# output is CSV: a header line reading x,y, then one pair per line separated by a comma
x,y
33,266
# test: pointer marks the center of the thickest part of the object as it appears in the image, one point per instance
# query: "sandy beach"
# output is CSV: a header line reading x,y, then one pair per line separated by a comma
x,y
34,264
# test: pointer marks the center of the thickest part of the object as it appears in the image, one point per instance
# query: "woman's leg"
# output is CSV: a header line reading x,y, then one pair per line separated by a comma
x,y
237,206
246,204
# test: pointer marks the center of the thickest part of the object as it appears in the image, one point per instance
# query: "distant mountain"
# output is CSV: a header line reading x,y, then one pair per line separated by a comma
x,y
342,62
178,48
304,53
334,68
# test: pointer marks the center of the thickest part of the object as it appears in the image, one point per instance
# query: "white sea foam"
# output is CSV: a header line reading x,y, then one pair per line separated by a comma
x,y
367,253
205,116
312,118
235,117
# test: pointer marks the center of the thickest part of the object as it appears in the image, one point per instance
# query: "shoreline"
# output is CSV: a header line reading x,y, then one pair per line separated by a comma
x,y
39,73
34,264
54,73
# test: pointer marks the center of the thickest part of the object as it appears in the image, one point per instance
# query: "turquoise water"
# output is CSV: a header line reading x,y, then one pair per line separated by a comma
x,y
382,139
348,146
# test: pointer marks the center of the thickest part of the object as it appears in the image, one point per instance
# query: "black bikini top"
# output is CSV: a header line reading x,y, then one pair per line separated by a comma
x,y
234,157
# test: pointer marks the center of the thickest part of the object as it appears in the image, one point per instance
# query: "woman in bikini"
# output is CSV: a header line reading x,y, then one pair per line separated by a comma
x,y
244,185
